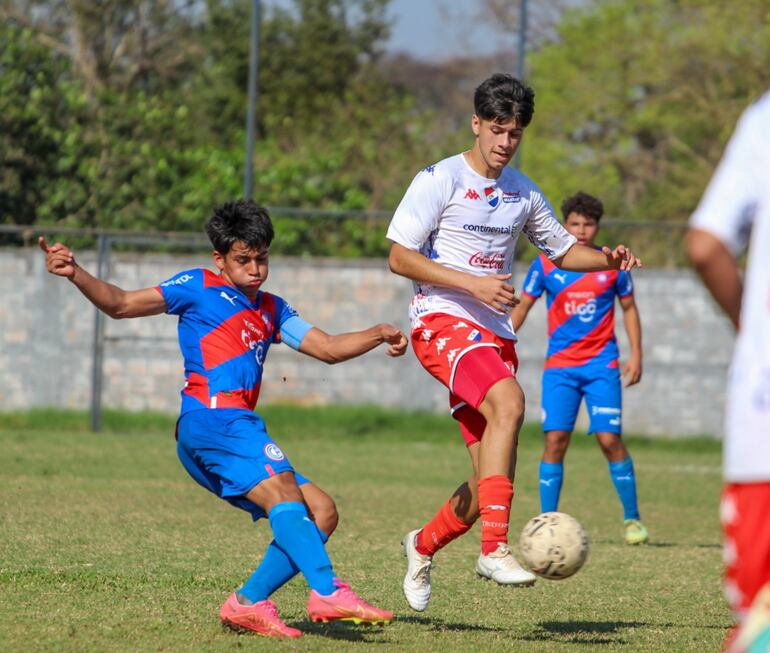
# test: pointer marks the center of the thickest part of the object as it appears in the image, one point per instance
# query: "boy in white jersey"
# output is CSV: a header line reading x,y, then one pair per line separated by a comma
x,y
736,204
454,234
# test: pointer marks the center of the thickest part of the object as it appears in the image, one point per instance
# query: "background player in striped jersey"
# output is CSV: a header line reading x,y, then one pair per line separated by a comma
x,y
734,209
226,326
454,235
582,361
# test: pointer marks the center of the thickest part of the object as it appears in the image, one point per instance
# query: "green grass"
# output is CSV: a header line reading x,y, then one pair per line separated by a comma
x,y
107,545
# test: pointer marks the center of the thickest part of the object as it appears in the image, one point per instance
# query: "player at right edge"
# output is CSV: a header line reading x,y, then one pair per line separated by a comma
x,y
736,204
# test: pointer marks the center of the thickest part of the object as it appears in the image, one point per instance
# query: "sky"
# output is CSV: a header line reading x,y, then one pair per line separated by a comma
x,y
442,29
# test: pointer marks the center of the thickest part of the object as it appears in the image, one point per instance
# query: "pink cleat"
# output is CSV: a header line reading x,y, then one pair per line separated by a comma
x,y
261,618
344,605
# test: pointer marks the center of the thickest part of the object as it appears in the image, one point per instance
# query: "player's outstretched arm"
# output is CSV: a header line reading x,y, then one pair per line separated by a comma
x,y
718,269
632,370
114,301
494,289
344,346
519,314
581,258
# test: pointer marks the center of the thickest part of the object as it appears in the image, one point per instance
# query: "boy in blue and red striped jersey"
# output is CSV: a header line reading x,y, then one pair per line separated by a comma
x,y
226,326
582,361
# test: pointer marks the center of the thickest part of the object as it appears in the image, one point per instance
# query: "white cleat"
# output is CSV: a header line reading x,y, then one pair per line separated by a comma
x,y
417,579
501,567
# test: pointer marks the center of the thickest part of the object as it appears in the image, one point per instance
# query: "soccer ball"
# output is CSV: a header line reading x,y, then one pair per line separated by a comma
x,y
554,545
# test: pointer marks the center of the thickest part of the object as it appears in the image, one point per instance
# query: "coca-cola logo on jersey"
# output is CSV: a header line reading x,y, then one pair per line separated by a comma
x,y
490,261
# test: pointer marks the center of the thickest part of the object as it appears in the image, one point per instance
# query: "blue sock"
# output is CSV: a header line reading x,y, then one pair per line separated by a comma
x,y
551,477
275,570
297,536
622,474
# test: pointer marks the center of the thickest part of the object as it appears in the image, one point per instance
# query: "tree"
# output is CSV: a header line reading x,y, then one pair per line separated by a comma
x,y
635,102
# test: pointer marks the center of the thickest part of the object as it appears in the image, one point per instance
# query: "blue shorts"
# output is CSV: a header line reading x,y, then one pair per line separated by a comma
x,y
228,451
563,389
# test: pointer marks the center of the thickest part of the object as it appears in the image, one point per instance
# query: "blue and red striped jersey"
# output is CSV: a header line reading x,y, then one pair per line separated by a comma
x,y
581,312
224,338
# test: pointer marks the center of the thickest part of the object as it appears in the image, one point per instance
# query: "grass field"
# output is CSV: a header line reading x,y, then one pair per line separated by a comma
x,y
107,545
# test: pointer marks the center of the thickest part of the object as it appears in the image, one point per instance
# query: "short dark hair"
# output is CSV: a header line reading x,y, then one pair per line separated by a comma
x,y
584,204
241,220
502,97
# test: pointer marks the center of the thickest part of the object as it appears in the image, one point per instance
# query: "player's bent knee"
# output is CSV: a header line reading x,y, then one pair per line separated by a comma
x,y
281,488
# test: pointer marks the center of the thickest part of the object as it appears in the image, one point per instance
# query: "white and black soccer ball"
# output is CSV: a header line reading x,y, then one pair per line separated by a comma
x,y
554,545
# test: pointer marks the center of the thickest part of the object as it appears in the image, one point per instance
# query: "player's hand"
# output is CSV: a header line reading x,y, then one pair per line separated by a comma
x,y
395,338
495,292
621,258
59,258
632,372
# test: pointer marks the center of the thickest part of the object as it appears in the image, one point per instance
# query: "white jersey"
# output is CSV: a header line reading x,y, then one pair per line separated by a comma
x,y
456,217
737,203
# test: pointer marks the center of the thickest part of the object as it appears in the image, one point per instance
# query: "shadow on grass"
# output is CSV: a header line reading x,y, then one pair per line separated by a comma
x,y
443,626
341,630
581,632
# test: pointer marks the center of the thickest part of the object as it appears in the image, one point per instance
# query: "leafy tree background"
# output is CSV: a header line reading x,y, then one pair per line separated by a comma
x,y
130,114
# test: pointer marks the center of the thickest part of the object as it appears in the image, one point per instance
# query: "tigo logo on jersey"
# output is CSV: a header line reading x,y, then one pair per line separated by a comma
x,y
492,195
472,195
273,451
585,311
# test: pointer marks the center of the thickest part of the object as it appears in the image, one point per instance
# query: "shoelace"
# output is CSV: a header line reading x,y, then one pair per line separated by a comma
x,y
506,557
423,571
271,609
345,590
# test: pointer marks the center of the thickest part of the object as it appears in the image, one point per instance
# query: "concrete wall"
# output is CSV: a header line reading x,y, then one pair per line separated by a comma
x,y
47,330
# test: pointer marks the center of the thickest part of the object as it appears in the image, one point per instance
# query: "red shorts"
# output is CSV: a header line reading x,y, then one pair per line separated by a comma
x,y
468,359
744,511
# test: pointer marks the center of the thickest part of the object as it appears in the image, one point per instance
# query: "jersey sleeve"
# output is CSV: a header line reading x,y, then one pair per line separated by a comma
x,y
534,282
419,212
624,285
290,328
544,231
181,291
728,206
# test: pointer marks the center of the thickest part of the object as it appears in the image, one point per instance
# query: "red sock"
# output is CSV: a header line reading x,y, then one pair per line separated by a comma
x,y
440,531
495,495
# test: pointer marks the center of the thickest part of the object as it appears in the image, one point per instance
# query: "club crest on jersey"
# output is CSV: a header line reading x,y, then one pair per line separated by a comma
x,y
273,451
474,335
492,195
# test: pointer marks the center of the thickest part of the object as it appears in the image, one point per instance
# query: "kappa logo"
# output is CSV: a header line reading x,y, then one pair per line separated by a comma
x,y
451,355
273,451
472,195
426,334
440,344
232,299
459,325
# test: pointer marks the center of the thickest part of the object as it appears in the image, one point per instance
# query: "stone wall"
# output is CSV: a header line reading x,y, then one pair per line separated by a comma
x,y
47,332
